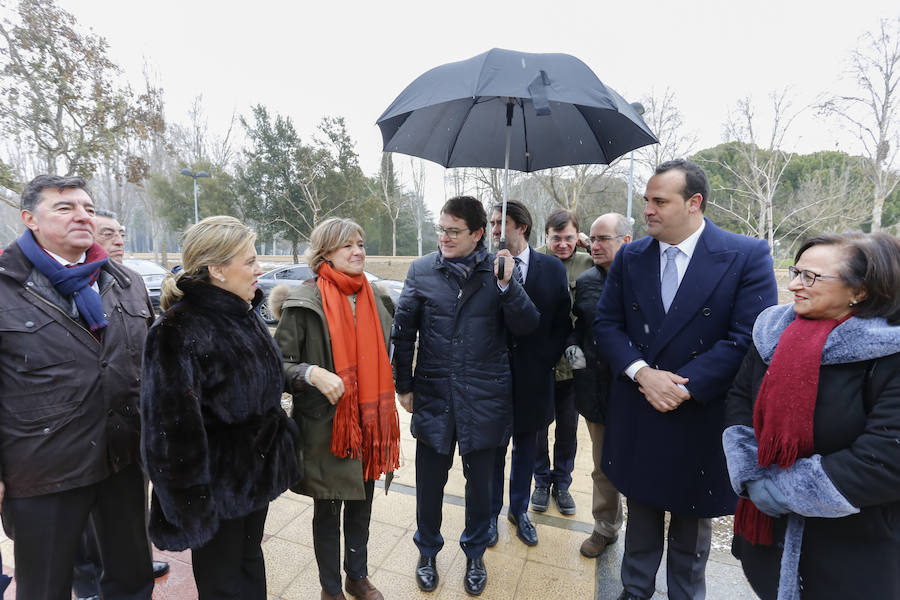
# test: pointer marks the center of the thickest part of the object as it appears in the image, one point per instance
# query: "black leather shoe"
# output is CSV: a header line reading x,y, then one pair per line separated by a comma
x,y
160,568
493,536
540,499
476,576
625,595
426,573
525,531
564,501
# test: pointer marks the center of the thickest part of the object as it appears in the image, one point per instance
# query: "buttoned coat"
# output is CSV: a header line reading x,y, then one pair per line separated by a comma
x,y
533,357
674,460
462,387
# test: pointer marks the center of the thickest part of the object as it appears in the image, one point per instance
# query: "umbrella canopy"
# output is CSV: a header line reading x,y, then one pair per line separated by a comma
x,y
560,114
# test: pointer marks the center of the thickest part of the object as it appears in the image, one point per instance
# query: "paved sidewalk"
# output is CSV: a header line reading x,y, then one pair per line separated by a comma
x,y
552,569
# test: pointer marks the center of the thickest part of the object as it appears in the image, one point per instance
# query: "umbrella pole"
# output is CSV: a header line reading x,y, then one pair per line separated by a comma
x,y
502,245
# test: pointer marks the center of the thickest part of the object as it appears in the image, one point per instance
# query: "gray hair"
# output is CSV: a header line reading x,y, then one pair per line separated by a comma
x,y
31,195
102,212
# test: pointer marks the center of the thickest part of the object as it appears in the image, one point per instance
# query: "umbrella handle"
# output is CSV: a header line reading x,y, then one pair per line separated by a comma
x,y
500,264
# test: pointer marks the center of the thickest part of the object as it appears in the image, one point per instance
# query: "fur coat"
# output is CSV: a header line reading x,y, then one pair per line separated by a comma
x,y
216,443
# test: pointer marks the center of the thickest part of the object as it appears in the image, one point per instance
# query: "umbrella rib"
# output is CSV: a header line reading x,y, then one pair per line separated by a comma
x,y
521,104
458,131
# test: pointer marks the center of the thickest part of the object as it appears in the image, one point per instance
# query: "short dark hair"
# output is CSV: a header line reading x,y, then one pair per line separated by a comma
x,y
559,218
873,266
695,179
519,213
31,195
468,209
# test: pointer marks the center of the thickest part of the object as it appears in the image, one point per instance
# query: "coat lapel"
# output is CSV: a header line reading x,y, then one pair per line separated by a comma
x,y
644,277
533,276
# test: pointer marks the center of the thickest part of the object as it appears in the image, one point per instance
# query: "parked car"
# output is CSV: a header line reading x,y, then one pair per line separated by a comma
x,y
152,274
297,273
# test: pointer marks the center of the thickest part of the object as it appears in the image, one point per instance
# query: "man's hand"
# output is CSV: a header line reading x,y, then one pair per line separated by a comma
x,y
508,266
406,401
575,356
331,386
661,388
584,241
2,492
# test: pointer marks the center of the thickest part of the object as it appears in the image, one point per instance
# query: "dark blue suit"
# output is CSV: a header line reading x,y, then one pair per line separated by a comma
x,y
533,358
674,461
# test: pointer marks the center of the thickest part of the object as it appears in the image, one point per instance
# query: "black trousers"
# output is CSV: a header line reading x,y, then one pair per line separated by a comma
x,y
230,566
87,571
431,477
689,542
47,530
327,538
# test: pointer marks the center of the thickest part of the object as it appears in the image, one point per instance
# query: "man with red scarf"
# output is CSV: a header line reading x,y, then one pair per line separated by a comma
x,y
674,322
72,329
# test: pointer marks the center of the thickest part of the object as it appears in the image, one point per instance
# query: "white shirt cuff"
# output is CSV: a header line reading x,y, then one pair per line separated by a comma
x,y
634,367
306,375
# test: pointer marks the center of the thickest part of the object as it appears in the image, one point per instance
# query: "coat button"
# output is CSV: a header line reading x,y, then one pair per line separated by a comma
x,y
104,364
110,413
29,323
641,346
707,311
634,306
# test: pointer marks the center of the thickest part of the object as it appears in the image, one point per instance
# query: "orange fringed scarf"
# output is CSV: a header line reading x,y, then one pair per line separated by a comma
x,y
366,425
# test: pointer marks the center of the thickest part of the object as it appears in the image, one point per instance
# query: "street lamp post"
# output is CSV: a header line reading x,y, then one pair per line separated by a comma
x,y
639,109
194,176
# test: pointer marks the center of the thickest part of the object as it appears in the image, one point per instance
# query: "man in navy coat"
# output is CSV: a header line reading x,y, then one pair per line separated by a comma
x,y
674,322
533,359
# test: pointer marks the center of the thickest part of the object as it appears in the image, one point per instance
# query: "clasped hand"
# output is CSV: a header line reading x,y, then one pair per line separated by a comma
x,y
661,388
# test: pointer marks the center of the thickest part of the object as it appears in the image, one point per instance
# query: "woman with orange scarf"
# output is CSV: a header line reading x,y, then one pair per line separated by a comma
x,y
334,334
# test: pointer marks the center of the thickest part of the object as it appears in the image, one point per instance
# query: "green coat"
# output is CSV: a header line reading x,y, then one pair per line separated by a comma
x,y
304,340
575,265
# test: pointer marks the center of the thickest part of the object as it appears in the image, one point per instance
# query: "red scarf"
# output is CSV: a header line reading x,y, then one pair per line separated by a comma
x,y
783,415
366,425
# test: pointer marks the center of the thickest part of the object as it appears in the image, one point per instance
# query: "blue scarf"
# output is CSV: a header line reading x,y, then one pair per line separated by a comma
x,y
461,267
74,282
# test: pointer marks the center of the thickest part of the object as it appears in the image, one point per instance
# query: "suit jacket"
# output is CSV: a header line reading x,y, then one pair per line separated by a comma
x,y
674,460
533,357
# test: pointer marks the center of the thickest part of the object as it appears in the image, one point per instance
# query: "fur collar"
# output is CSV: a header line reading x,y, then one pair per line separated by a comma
x,y
206,295
853,340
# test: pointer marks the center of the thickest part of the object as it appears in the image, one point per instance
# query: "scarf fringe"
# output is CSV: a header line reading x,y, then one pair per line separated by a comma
x,y
778,449
346,433
752,524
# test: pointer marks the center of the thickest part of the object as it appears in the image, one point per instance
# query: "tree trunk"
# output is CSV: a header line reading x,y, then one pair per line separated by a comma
x,y
393,237
877,209
294,251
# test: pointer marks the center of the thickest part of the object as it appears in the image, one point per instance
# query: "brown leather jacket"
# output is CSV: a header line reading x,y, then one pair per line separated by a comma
x,y
69,414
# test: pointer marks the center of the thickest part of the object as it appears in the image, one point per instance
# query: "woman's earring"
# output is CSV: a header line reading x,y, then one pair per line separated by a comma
x,y
854,302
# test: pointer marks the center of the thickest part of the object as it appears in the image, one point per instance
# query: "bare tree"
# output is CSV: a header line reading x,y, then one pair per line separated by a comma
x,y
390,195
665,120
757,170
872,111
417,172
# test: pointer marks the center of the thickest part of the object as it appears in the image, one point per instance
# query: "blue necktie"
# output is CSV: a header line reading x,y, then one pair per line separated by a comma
x,y
517,271
669,284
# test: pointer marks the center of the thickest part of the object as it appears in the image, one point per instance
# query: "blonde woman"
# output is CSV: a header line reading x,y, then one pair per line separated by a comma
x,y
334,333
216,443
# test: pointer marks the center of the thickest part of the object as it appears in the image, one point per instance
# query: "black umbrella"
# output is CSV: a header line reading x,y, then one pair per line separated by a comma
x,y
514,110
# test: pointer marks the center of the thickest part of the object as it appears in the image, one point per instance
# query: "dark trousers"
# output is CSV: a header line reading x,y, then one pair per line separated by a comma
x,y
565,444
327,538
86,574
521,467
689,541
47,530
230,566
431,477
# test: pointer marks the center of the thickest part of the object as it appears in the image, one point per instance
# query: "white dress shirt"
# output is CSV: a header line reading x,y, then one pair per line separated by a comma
x,y
95,286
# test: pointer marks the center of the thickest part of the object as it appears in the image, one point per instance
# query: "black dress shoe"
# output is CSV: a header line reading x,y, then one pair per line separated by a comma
x,y
540,499
426,573
476,576
525,531
626,595
493,536
564,501
160,568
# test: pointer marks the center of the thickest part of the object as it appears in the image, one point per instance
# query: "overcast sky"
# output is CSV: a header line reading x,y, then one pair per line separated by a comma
x,y
348,58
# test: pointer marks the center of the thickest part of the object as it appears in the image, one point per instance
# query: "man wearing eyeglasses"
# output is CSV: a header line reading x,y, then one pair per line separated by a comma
x,y
674,322
110,234
592,376
562,241
460,308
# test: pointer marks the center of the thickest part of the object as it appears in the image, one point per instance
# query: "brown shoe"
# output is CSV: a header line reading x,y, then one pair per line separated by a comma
x,y
596,544
362,589
338,596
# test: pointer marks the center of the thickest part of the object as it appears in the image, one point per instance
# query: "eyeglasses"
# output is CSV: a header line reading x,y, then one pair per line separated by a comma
x,y
807,277
604,238
450,233
108,234
569,239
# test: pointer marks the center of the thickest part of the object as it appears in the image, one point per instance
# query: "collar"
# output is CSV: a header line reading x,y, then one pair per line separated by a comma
x,y
65,262
524,255
206,295
688,245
